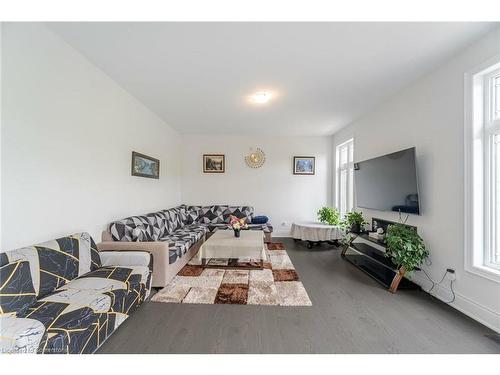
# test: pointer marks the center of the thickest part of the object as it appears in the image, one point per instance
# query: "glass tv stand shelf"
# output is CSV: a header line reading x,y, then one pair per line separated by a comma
x,y
368,255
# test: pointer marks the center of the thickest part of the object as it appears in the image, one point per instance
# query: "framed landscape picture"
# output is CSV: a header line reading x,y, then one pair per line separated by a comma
x,y
214,163
145,166
304,165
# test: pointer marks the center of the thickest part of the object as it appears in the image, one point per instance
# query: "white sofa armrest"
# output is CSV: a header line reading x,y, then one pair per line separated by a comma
x,y
125,258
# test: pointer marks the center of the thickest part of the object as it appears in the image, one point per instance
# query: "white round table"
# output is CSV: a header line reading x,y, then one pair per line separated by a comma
x,y
314,232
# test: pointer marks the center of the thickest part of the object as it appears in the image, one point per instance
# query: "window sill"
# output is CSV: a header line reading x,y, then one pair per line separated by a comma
x,y
486,272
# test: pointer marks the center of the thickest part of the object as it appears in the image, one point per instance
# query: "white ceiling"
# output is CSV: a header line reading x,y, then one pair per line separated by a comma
x,y
197,76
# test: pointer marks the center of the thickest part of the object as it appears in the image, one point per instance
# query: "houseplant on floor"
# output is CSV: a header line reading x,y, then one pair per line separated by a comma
x,y
329,215
354,222
406,249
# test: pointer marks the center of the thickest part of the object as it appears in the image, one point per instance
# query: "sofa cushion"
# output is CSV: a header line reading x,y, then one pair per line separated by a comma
x,y
79,316
192,214
174,219
67,329
266,228
158,224
133,228
212,214
182,239
16,288
54,263
241,212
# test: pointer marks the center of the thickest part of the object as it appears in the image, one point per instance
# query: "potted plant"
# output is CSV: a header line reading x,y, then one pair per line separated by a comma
x,y
405,247
354,222
329,215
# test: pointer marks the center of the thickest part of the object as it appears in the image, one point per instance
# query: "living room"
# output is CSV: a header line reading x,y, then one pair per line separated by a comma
x,y
249,187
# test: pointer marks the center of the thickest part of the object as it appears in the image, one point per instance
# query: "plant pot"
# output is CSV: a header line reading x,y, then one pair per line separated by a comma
x,y
237,232
355,228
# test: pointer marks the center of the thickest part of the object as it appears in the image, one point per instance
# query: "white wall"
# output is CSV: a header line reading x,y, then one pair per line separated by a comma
x,y
67,136
272,189
430,115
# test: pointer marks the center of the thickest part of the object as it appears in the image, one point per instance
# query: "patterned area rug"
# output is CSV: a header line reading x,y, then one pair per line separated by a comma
x,y
277,284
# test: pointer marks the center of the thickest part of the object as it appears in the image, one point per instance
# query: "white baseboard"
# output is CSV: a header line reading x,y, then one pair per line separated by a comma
x,y
476,311
281,232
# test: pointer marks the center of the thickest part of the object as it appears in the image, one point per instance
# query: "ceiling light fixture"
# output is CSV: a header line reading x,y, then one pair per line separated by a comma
x,y
261,97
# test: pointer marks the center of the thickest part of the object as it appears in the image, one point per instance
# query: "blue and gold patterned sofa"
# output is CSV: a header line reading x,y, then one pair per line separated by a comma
x,y
174,235
63,296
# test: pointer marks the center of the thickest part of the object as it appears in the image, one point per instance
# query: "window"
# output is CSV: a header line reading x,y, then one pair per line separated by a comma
x,y
492,163
482,171
345,176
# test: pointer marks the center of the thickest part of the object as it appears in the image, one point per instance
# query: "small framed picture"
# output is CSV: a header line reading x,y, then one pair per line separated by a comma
x,y
145,166
214,163
304,165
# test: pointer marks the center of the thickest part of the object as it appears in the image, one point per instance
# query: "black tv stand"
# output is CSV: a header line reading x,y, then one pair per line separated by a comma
x,y
364,254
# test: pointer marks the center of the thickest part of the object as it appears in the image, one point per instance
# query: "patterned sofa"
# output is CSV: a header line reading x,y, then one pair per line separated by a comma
x,y
63,296
173,235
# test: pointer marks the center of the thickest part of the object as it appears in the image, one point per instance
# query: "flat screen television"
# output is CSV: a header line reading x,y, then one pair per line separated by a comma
x,y
388,183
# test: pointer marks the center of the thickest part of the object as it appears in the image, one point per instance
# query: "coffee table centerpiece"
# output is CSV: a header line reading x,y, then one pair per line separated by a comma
x,y
224,245
237,225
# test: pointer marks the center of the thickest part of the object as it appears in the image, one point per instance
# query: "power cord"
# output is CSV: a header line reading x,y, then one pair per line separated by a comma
x,y
435,283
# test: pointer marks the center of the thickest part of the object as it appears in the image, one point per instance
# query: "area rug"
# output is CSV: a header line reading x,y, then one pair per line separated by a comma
x,y
277,284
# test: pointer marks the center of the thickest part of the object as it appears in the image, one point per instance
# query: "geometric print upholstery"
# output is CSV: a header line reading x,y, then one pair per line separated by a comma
x,y
79,315
192,214
181,226
182,239
241,212
212,214
54,263
131,229
218,214
16,288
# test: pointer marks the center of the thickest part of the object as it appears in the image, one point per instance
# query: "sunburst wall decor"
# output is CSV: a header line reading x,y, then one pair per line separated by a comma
x,y
256,158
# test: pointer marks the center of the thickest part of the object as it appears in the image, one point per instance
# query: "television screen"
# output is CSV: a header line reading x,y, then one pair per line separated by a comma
x,y
388,183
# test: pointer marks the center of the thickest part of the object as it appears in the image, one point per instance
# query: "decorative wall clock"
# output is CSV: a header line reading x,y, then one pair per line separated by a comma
x,y
256,158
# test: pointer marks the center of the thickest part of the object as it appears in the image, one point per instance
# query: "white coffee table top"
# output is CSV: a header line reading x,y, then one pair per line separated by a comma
x,y
223,244
316,231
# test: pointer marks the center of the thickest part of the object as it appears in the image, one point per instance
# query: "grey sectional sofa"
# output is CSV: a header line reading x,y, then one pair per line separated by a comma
x,y
173,236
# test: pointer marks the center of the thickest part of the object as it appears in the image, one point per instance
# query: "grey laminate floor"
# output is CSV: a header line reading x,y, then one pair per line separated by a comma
x,y
351,313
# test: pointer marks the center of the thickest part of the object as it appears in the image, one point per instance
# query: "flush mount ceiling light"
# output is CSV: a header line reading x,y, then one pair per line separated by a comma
x,y
261,97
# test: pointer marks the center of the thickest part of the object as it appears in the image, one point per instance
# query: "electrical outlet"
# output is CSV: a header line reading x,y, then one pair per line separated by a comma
x,y
450,274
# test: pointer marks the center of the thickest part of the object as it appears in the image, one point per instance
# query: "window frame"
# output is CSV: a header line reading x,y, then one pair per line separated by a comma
x,y
349,167
480,130
490,136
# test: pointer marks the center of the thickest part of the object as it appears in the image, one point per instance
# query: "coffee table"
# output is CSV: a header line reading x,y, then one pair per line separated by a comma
x,y
224,245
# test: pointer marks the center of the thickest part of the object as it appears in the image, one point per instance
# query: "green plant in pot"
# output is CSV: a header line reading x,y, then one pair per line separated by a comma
x,y
354,222
405,247
329,216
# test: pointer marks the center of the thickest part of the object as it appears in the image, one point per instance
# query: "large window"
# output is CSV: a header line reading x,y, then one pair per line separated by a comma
x,y
492,162
482,185
345,176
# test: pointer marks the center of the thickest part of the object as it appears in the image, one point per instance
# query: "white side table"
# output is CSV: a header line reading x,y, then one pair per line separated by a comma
x,y
315,232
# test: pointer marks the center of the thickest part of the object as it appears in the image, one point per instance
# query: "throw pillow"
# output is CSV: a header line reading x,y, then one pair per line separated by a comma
x,y
260,220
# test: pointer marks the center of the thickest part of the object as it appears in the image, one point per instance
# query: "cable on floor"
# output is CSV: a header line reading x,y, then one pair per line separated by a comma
x,y
435,283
